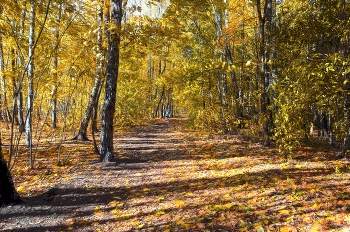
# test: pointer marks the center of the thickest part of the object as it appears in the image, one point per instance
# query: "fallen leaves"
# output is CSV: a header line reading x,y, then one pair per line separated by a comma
x,y
113,203
160,212
98,211
288,229
231,184
284,212
70,221
179,203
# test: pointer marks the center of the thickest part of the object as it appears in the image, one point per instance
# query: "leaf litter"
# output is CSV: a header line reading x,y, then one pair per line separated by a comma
x,y
170,179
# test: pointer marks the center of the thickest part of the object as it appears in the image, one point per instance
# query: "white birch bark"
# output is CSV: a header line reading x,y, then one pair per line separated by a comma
x,y
30,96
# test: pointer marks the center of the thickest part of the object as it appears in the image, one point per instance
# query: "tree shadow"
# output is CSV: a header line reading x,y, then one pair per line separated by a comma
x,y
132,177
78,202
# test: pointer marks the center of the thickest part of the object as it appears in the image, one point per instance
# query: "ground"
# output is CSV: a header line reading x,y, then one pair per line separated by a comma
x,y
171,179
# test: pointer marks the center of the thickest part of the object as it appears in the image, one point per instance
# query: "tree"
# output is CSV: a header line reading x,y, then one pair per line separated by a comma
x,y
345,51
30,93
106,136
4,112
93,100
8,193
55,67
17,64
264,21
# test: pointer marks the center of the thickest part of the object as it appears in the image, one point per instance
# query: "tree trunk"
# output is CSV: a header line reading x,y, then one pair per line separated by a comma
x,y
95,110
82,134
18,106
54,91
19,110
54,109
30,97
159,103
330,129
264,20
106,136
346,90
5,114
55,72
8,193
346,105
17,97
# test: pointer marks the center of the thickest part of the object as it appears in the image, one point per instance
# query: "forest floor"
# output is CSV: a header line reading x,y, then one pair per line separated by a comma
x,y
171,179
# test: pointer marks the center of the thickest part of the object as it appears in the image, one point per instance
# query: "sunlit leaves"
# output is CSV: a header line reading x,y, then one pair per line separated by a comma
x,y
160,212
180,203
113,203
98,211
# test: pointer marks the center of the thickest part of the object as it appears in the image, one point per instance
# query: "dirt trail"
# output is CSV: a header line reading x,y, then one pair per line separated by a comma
x,y
79,202
159,141
170,180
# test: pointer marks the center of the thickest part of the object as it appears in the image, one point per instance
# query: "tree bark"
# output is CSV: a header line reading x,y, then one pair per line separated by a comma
x,y
19,106
264,20
18,96
159,103
346,105
82,134
95,94
346,90
8,193
28,123
30,93
5,114
54,91
55,67
106,136
95,110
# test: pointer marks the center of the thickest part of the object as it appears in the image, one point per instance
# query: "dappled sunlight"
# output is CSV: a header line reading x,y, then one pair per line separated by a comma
x,y
216,184
171,115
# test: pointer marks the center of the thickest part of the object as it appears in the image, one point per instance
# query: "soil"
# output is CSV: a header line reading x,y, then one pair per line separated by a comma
x,y
167,179
76,204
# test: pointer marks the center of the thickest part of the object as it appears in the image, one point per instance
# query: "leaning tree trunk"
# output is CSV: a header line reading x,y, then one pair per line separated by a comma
x,y
82,134
8,193
19,107
18,96
106,136
95,111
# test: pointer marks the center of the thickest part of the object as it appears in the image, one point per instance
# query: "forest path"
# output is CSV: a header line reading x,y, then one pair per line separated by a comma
x,y
75,200
169,179
162,140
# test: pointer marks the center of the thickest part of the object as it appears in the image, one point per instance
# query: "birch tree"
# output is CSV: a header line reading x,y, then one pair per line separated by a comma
x,y
30,93
106,136
93,100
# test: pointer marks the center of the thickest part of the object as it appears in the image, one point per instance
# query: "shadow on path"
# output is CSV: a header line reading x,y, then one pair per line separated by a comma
x,y
162,180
